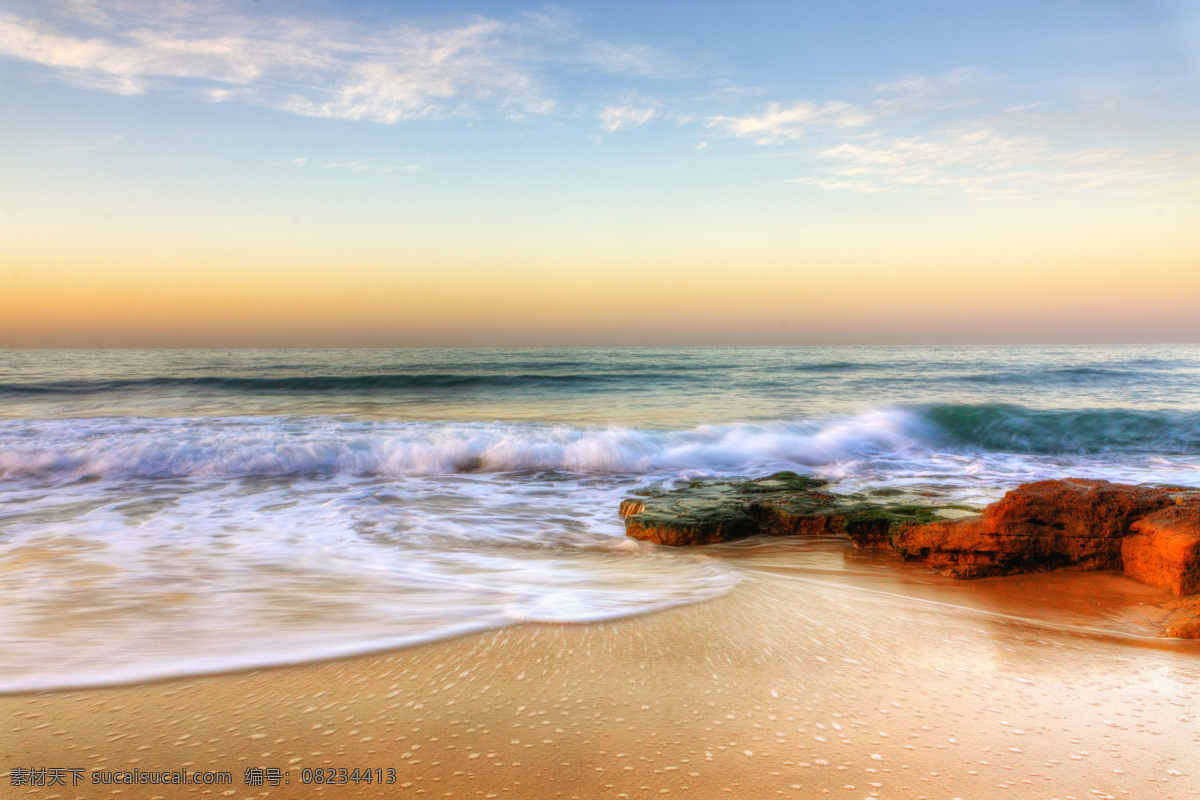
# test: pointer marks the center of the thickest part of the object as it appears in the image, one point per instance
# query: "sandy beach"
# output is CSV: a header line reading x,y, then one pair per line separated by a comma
x,y
855,678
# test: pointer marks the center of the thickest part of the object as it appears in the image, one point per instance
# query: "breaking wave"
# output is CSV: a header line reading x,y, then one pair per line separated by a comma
x,y
263,446
1015,429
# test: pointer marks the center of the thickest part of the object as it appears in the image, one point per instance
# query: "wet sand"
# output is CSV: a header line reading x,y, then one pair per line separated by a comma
x,y
849,677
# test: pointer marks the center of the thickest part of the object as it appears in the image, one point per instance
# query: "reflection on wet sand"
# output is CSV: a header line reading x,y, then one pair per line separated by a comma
x,y
1097,602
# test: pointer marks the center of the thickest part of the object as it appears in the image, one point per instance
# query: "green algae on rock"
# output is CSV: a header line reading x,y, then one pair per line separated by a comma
x,y
783,504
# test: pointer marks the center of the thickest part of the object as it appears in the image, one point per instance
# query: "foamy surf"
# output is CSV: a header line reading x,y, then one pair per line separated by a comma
x,y
211,447
272,447
210,575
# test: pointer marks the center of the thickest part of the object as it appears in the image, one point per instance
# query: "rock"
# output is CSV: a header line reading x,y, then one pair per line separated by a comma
x,y
1164,549
965,548
1152,533
1071,523
1185,622
1076,508
707,512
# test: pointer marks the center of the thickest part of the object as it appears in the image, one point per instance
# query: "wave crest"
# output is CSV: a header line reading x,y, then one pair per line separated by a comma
x,y
1016,429
260,446
176,448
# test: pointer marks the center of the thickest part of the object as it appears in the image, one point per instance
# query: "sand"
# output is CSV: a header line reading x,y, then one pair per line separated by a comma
x,y
870,682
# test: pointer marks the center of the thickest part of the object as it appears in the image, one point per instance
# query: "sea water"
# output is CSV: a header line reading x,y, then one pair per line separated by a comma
x,y
167,512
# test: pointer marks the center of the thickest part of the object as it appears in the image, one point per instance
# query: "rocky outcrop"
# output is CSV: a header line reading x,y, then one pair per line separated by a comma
x,y
1164,549
1151,533
1078,524
707,512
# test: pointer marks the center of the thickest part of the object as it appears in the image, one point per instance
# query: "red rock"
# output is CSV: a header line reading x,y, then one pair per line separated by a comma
x,y
964,548
1039,526
1164,549
1185,622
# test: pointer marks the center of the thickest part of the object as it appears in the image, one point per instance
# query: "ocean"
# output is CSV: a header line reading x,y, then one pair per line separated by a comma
x,y
173,512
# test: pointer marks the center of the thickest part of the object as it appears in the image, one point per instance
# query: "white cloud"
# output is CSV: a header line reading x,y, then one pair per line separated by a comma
x,y
616,118
959,88
357,165
369,165
956,133
982,163
334,68
633,59
908,95
778,123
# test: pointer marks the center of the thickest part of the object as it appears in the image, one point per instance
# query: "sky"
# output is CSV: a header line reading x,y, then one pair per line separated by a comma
x,y
707,172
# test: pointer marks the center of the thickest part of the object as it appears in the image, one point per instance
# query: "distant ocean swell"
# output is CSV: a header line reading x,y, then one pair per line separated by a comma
x,y
273,446
308,384
586,375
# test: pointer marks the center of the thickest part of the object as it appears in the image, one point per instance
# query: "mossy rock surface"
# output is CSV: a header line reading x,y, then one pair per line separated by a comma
x,y
783,504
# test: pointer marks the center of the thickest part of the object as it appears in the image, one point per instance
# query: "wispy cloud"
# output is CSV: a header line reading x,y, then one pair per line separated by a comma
x,y
357,165
982,163
616,118
959,88
335,68
906,98
952,133
636,59
778,123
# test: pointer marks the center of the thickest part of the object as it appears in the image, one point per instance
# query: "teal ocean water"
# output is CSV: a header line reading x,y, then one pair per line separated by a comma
x,y
170,512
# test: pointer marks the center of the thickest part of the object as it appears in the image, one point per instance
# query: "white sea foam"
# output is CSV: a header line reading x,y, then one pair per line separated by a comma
x,y
241,447
258,446
184,576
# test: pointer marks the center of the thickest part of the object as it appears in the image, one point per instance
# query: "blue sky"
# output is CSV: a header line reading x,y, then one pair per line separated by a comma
x,y
464,158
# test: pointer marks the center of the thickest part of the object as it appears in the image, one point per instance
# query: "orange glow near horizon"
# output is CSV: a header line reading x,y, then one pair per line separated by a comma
x,y
1114,288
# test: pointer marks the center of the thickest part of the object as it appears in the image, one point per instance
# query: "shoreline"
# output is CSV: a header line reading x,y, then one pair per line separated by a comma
x,y
782,687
